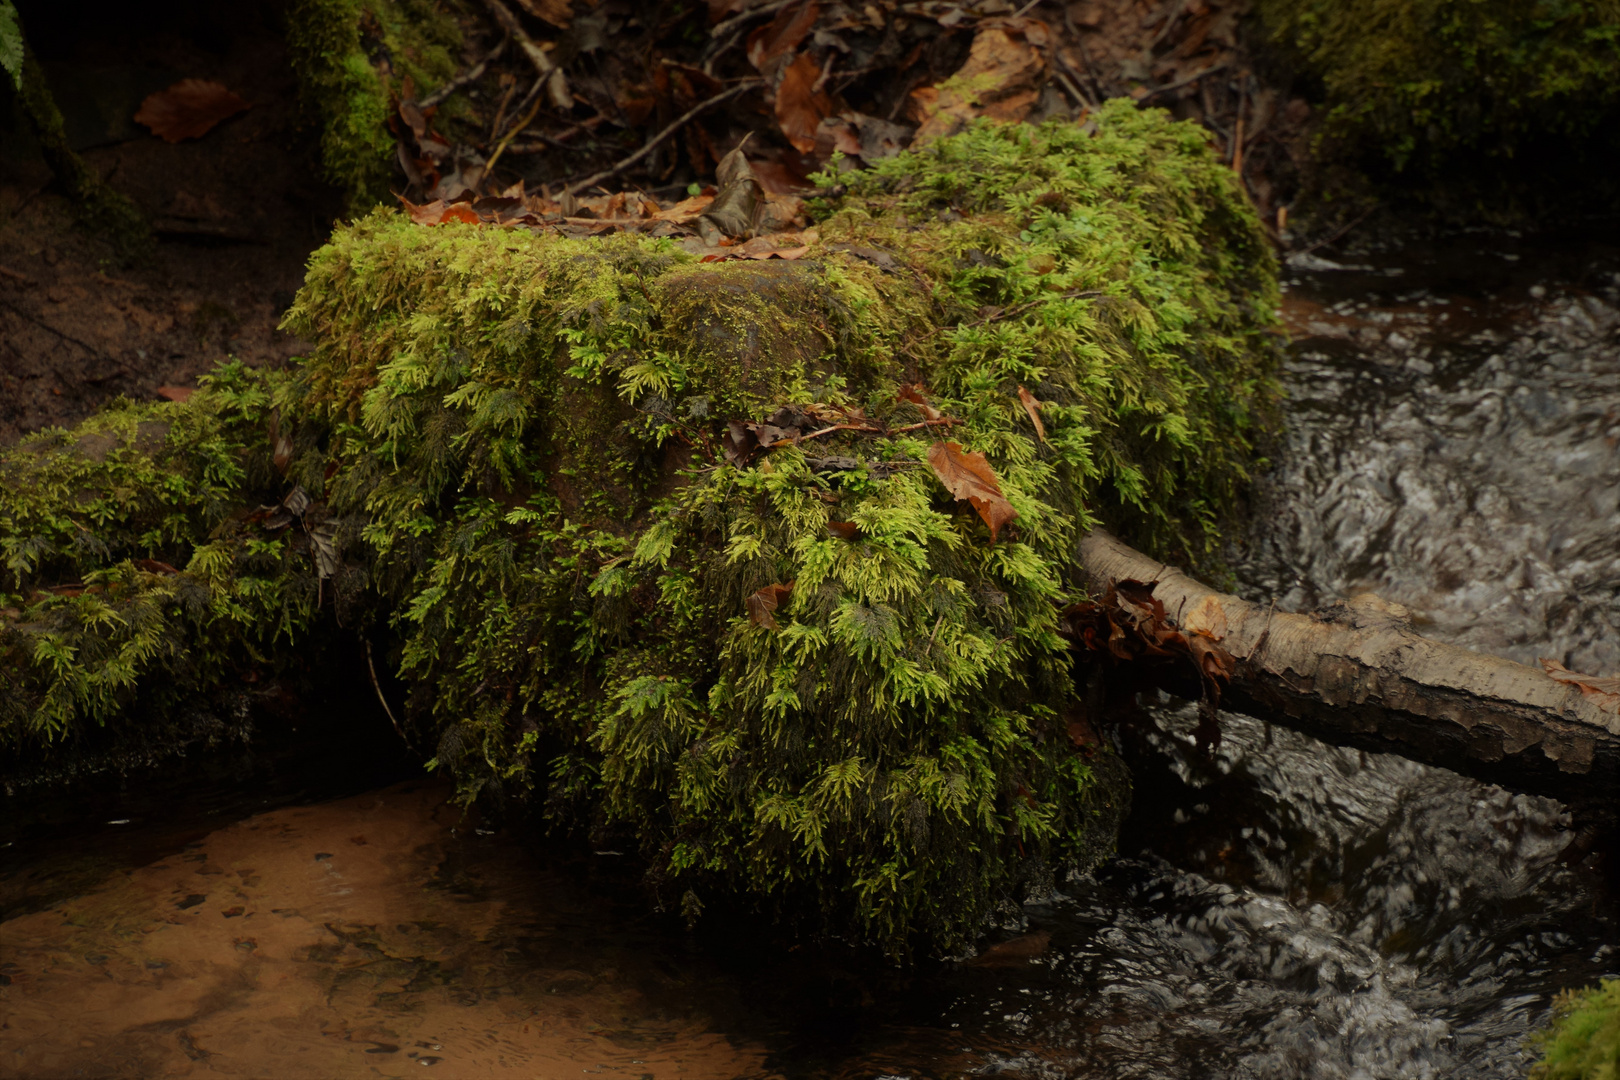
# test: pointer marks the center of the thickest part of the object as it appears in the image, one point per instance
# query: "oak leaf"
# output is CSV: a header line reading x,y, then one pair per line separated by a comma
x,y
189,109
763,604
969,476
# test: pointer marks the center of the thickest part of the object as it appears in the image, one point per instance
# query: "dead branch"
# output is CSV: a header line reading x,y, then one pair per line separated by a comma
x,y
653,143
1356,675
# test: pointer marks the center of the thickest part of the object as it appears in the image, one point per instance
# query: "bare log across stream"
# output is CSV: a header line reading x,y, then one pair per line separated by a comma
x,y
1357,675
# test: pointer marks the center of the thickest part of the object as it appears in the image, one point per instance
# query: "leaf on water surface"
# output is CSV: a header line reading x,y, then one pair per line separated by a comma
x,y
1033,408
969,476
189,109
1605,692
762,604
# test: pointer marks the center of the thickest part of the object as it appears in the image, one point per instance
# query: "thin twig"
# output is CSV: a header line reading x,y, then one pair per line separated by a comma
x,y
653,143
489,166
723,28
471,75
537,56
377,686
43,325
945,421
15,275
1179,83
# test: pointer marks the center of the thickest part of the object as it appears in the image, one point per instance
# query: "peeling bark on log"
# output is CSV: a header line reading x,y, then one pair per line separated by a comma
x,y
1356,675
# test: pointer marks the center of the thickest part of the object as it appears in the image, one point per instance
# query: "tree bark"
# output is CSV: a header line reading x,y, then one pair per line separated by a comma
x,y
1356,675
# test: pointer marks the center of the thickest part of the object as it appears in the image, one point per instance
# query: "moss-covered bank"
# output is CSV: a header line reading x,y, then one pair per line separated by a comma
x,y
1583,1042
1483,108
351,58
513,450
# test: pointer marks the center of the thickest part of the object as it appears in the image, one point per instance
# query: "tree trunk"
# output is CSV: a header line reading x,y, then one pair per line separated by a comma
x,y
1356,675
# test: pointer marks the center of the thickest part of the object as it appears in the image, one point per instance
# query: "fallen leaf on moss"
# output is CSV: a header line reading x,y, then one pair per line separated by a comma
x,y
1605,692
762,604
844,530
969,476
916,394
153,566
189,109
1033,408
176,393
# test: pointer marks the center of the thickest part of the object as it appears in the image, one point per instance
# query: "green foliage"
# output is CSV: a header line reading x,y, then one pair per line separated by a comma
x,y
11,44
1584,1040
1433,89
338,47
514,442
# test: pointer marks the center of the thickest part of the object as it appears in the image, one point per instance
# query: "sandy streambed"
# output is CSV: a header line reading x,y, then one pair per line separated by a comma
x,y
376,935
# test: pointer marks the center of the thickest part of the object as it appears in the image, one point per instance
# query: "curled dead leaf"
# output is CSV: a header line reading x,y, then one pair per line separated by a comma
x,y
968,476
762,605
176,393
1033,408
844,530
916,393
189,109
800,107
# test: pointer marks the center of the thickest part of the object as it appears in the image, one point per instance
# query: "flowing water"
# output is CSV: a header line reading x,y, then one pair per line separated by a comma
x,y
1285,909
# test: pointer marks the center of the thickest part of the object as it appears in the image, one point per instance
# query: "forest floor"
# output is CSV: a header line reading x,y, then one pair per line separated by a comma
x,y
236,213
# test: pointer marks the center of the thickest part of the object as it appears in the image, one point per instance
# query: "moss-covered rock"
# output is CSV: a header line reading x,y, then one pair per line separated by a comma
x,y
1476,105
513,444
351,58
1583,1042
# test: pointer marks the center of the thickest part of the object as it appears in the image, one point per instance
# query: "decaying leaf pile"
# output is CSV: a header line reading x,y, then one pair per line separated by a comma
x,y
565,95
758,564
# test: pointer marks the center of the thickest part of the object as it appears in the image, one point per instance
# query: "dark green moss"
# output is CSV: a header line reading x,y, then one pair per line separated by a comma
x,y
512,442
351,57
1583,1042
1481,107
100,209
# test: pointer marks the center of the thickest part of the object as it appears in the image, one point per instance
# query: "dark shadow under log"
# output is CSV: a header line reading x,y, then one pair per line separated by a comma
x,y
1356,675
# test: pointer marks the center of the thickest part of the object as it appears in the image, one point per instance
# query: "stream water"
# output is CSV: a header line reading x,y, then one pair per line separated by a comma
x,y
1285,910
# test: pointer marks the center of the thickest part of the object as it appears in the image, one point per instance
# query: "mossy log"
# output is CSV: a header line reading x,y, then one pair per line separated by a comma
x,y
506,462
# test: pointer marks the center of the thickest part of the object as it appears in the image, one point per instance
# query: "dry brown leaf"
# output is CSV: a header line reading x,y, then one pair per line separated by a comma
x,y
1208,619
1605,692
189,109
916,393
782,34
844,530
153,566
800,107
1003,78
762,605
176,393
558,13
969,476
1033,408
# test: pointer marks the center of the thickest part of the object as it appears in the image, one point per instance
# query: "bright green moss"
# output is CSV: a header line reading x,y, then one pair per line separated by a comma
x,y
515,439
1459,94
351,57
1584,1040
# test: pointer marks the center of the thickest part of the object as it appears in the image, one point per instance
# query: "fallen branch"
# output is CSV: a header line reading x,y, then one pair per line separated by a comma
x,y
551,76
1356,675
653,143
471,75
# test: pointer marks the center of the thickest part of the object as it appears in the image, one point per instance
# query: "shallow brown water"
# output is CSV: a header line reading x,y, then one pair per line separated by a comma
x,y
371,936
